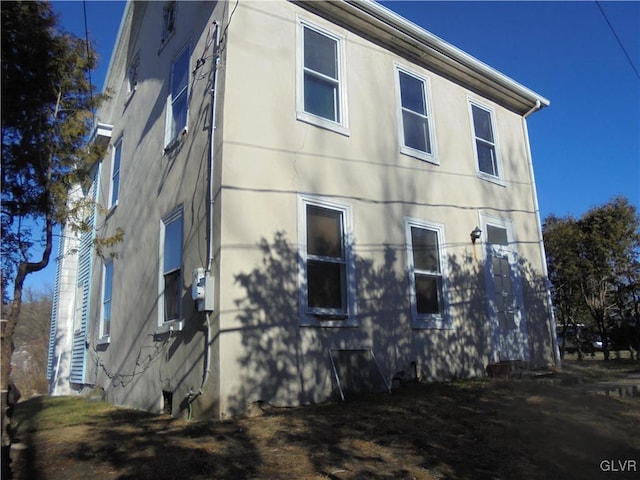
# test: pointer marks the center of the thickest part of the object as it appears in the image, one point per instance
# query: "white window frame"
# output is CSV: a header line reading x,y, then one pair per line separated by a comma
x,y
443,319
176,324
113,189
318,317
169,137
498,161
342,125
104,333
431,156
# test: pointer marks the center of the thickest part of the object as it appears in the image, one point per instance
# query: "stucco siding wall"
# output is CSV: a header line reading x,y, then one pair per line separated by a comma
x,y
270,158
139,363
266,161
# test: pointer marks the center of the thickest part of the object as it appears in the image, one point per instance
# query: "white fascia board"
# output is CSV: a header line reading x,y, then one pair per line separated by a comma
x,y
128,10
379,11
459,65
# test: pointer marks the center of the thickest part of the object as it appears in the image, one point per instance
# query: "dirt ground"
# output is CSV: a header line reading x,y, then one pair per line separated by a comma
x,y
563,426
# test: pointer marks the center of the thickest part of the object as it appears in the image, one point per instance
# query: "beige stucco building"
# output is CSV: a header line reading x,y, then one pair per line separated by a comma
x,y
317,197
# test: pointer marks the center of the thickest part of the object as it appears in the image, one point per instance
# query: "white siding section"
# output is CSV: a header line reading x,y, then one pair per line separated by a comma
x,y
61,331
79,349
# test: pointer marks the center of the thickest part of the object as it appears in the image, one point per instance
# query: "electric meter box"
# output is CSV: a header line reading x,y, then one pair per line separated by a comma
x,y
203,290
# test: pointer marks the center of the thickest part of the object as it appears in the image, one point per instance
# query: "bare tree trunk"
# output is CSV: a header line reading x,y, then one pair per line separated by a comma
x,y
605,339
596,301
564,339
6,341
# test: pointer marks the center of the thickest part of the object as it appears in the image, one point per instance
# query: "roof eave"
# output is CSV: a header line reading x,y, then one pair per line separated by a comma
x,y
403,36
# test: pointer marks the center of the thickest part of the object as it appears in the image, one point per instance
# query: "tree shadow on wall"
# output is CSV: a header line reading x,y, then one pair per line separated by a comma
x,y
283,363
536,297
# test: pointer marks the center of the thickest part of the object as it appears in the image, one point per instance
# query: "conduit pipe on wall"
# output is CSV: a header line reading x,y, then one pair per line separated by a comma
x,y
545,272
212,127
210,255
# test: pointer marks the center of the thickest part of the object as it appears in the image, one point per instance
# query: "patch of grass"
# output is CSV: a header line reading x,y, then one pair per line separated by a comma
x,y
478,429
592,369
48,413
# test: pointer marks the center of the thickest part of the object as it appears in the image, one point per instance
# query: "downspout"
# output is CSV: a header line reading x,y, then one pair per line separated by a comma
x,y
545,272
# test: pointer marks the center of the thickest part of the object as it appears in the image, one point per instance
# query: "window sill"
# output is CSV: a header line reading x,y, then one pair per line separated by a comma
x,y
165,41
431,324
169,327
323,123
427,157
173,144
492,179
112,209
106,340
330,316
328,320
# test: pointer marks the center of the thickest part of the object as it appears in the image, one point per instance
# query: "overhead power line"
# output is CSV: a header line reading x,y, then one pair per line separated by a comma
x,y
86,39
615,34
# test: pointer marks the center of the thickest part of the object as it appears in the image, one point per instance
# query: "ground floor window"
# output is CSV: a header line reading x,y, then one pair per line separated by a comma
x,y
171,268
326,270
427,282
107,282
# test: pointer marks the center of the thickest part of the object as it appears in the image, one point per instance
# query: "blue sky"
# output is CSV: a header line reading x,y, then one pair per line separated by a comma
x,y
585,146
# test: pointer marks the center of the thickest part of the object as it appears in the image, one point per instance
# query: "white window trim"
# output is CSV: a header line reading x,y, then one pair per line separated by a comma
x,y
511,249
442,321
341,127
495,221
171,325
497,179
112,204
102,337
428,157
169,141
310,318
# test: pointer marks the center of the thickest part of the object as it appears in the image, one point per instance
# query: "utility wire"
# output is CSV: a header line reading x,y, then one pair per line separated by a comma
x,y
618,39
86,39
223,37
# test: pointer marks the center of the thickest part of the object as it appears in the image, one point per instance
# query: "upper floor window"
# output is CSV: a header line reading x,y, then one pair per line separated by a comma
x,y
416,133
485,141
132,75
168,20
115,174
320,80
170,294
107,282
177,110
426,275
327,271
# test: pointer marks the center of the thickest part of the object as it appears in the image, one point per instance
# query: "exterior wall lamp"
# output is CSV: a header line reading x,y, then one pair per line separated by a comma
x,y
475,234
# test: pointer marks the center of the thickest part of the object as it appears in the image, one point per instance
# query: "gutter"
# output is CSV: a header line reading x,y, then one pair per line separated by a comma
x,y
455,54
380,22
